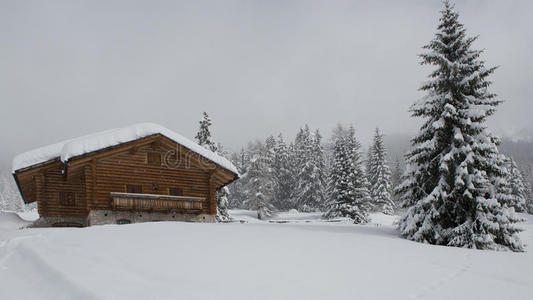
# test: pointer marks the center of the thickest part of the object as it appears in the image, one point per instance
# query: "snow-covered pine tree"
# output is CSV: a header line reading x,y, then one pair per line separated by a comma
x,y
283,174
10,199
310,189
518,188
529,197
222,151
508,224
203,137
397,172
223,193
4,198
257,189
337,133
267,156
396,179
379,176
360,183
301,157
294,170
321,170
223,205
348,184
449,183
527,174
237,188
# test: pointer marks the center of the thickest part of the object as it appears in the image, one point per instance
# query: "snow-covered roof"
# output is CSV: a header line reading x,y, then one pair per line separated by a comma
x,y
93,142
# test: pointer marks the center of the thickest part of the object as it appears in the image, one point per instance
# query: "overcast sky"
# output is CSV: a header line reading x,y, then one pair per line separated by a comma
x,y
69,68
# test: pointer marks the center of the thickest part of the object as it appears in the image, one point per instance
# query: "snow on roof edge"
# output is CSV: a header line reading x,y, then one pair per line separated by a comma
x,y
97,141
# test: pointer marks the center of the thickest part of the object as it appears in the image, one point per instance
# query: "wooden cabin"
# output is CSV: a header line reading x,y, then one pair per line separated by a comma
x,y
140,173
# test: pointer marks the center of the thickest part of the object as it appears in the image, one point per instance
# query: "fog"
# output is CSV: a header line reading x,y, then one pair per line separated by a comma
x,y
69,68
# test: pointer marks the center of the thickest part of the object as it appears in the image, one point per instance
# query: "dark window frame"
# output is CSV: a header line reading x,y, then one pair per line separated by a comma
x,y
175,191
67,198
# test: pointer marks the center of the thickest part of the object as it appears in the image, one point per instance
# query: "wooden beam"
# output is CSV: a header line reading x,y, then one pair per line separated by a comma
x,y
212,198
39,184
88,178
93,174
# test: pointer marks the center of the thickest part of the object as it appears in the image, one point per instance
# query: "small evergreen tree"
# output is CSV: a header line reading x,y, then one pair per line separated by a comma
x,y
396,179
527,175
294,165
450,185
236,195
320,170
397,172
223,205
257,190
519,192
300,156
203,137
349,193
266,157
10,199
529,197
379,174
310,189
269,152
283,174
338,132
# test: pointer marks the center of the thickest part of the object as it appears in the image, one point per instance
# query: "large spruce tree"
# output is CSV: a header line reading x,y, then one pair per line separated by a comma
x,y
449,187
379,176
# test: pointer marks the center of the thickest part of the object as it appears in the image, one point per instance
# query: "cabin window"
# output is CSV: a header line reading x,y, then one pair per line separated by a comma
x,y
154,158
174,191
134,189
123,221
67,198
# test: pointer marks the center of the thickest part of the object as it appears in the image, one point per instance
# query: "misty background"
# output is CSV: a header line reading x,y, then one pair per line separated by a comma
x,y
70,68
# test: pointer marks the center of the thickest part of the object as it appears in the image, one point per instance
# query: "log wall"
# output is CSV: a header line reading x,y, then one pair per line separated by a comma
x,y
112,174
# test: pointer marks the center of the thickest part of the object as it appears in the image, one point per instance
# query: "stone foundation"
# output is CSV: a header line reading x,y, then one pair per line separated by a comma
x,y
100,217
59,222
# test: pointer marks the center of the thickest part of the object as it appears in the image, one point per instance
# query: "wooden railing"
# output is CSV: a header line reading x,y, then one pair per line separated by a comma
x,y
151,202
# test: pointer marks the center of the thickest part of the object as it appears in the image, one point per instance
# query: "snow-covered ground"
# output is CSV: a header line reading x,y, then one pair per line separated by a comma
x,y
12,220
295,256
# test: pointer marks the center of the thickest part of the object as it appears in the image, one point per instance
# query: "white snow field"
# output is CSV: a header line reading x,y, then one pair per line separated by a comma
x,y
295,256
